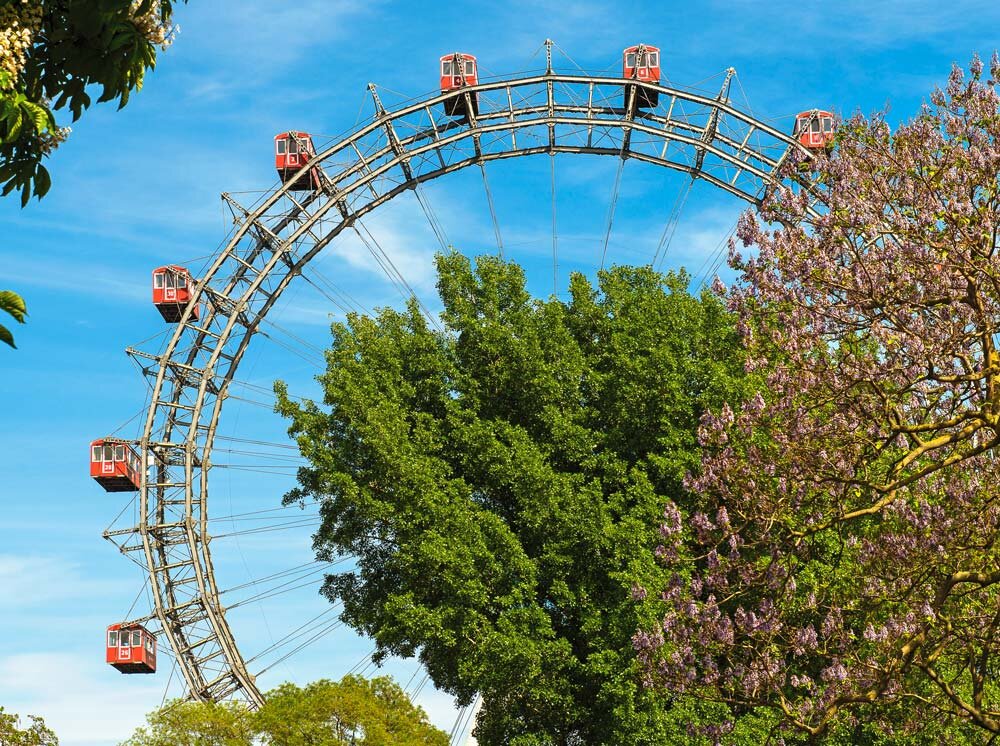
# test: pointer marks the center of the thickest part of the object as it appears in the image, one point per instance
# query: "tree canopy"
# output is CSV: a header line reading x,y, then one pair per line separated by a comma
x,y
352,712
843,566
35,734
499,483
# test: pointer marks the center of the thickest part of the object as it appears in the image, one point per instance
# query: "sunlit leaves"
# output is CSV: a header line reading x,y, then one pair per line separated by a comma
x,y
15,733
352,712
12,304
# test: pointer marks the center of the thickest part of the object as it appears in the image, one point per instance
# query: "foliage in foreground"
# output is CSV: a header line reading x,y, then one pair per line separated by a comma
x,y
35,734
352,712
844,568
52,55
52,52
500,484
12,304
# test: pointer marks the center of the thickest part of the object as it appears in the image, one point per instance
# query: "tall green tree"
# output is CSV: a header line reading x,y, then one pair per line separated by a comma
x,y
500,485
352,712
35,734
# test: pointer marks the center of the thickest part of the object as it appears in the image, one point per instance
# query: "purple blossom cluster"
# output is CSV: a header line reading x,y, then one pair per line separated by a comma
x,y
844,551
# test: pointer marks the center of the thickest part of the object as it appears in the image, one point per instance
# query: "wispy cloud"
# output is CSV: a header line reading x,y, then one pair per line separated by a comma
x,y
83,700
403,234
75,277
31,582
262,41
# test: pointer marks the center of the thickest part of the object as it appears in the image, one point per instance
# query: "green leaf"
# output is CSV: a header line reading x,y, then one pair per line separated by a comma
x,y
41,117
43,181
15,125
6,336
13,304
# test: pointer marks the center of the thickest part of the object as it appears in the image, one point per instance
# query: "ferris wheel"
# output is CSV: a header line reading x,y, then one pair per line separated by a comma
x,y
325,192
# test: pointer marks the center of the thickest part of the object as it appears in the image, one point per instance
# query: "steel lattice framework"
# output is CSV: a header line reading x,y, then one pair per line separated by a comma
x,y
550,113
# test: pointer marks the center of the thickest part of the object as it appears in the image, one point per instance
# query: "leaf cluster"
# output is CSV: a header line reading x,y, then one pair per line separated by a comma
x,y
75,46
12,304
35,734
354,711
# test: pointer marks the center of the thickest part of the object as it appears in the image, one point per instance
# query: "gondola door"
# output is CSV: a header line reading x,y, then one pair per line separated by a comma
x,y
124,650
108,462
170,287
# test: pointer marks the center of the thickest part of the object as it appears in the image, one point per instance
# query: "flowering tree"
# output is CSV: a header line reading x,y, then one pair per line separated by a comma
x,y
843,563
52,55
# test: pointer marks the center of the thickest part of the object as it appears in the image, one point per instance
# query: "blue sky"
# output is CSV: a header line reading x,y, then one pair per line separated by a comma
x,y
140,187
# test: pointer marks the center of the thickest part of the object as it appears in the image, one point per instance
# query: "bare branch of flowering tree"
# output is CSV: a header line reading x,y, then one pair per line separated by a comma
x,y
845,557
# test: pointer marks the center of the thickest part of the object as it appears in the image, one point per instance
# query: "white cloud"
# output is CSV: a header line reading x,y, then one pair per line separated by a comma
x,y
78,278
83,700
32,582
403,233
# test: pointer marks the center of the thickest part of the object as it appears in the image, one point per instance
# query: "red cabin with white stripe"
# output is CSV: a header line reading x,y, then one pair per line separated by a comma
x,y
815,129
172,288
459,70
115,465
642,63
131,649
292,151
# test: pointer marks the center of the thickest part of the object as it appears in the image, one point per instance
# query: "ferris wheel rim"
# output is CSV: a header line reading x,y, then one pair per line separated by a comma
x,y
179,370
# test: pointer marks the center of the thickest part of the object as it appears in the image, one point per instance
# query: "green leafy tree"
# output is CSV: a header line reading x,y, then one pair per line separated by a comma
x,y
373,712
500,485
36,734
184,723
12,304
352,712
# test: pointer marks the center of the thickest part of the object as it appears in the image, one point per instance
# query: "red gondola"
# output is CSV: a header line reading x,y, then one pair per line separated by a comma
x,y
641,62
172,292
814,129
293,150
114,465
459,70
131,649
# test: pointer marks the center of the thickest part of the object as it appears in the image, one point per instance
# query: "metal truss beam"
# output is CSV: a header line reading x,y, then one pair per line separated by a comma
x,y
272,242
